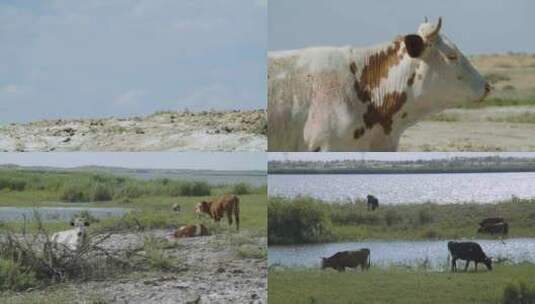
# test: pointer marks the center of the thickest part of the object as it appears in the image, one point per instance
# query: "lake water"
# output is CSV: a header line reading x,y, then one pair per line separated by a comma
x,y
409,253
406,188
56,213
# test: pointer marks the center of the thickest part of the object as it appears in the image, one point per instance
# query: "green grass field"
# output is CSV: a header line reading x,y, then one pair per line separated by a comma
x,y
400,286
307,220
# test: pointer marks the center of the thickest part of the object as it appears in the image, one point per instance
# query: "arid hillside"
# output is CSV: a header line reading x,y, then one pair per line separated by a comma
x,y
162,131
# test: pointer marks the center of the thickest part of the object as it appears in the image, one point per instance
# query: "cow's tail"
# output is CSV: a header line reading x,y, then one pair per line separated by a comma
x,y
237,213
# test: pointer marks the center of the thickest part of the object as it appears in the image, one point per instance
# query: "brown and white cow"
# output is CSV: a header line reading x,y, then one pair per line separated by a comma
x,y
229,204
362,99
191,231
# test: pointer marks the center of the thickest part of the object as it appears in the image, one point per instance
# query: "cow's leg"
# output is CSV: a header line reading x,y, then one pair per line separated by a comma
x,y
229,216
454,264
476,266
466,265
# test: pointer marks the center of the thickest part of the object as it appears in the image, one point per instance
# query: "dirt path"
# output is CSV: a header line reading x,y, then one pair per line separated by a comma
x,y
488,129
166,131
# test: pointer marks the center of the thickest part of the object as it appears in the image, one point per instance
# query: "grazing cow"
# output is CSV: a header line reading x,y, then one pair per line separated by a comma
x,y
373,202
217,208
352,259
176,208
493,225
498,228
491,221
191,231
362,99
468,251
72,239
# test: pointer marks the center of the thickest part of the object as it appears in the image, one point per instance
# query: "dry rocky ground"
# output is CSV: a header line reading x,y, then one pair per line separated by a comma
x,y
163,131
486,129
209,270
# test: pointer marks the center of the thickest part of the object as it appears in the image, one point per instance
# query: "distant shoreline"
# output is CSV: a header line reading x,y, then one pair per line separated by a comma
x,y
396,171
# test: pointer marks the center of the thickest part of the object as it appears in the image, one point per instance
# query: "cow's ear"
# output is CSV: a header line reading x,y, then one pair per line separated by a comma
x,y
72,223
415,45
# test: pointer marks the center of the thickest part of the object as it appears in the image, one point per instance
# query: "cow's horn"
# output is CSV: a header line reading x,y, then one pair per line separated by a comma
x,y
437,29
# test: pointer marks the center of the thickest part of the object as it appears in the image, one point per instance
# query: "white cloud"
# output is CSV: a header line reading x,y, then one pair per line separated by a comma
x,y
131,97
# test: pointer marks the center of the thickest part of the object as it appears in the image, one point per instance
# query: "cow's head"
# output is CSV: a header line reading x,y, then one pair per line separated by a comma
x,y
80,225
202,207
444,75
324,263
488,262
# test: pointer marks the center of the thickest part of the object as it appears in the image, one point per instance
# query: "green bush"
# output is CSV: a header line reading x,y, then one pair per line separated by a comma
x,y
424,217
352,214
74,192
519,293
241,189
197,188
392,217
301,220
13,277
12,184
129,190
100,193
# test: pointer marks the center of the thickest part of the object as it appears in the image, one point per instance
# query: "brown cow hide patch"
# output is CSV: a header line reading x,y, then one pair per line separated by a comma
x,y
378,65
392,103
359,132
410,81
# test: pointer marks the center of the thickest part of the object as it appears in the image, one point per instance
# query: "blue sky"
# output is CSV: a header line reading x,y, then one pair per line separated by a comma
x,y
476,26
98,58
232,161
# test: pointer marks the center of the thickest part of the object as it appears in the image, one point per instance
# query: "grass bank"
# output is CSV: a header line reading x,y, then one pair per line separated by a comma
x,y
30,187
308,220
150,201
502,285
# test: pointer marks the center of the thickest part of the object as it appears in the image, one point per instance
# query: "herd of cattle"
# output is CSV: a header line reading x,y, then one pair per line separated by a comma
x,y
228,205
466,251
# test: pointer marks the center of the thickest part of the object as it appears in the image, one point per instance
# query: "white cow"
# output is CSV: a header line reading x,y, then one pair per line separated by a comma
x,y
72,239
362,99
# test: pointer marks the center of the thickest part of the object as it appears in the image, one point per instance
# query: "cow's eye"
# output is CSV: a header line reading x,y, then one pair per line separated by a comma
x,y
452,57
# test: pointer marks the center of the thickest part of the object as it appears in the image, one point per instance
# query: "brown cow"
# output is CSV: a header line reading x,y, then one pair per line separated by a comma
x,y
216,208
351,259
191,231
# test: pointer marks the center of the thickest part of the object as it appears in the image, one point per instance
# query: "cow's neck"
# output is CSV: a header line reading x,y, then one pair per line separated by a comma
x,y
384,78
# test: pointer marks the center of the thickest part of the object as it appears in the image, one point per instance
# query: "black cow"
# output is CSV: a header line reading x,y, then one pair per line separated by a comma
x,y
373,202
352,259
498,228
468,251
491,221
493,225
